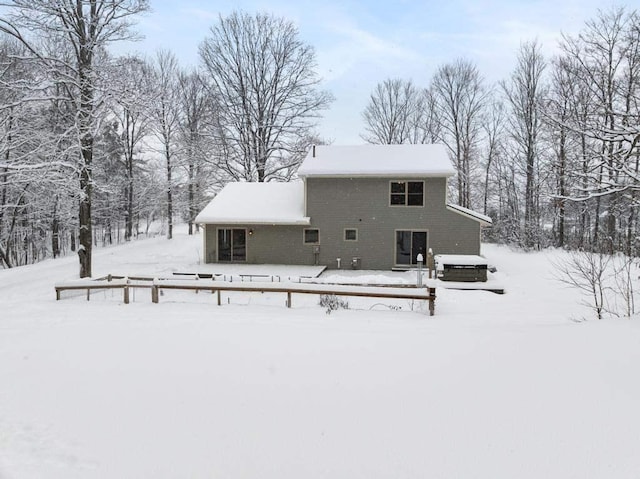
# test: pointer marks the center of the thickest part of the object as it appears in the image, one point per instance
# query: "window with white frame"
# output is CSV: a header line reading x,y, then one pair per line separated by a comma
x,y
351,234
311,236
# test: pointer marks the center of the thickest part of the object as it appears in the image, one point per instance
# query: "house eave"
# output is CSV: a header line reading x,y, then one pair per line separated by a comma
x,y
392,174
255,221
480,218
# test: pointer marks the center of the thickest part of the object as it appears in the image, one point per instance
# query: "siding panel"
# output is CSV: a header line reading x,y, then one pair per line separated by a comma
x,y
267,245
334,204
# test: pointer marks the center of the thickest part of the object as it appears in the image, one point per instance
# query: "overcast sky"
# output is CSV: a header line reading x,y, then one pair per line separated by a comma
x,y
361,43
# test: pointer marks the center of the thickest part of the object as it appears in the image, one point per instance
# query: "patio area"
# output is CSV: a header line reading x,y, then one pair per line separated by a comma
x,y
284,272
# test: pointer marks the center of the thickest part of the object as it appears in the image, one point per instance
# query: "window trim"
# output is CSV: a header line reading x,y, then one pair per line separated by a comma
x,y
344,235
406,194
304,237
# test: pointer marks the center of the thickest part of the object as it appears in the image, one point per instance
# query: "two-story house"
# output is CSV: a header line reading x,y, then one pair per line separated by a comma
x,y
369,206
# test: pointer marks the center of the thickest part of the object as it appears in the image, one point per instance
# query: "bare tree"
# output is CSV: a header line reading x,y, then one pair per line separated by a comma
x,y
625,275
567,115
130,106
524,93
33,124
630,91
590,273
564,106
267,93
606,64
494,133
111,185
429,123
196,107
460,97
394,113
606,280
85,27
12,112
166,118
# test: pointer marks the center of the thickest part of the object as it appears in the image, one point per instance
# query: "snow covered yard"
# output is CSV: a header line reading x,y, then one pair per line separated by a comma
x,y
492,386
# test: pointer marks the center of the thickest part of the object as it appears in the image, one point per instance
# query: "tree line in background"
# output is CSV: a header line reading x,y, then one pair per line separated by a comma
x,y
551,153
94,147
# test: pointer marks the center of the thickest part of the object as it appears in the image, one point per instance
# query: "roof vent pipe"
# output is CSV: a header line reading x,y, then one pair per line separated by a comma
x,y
314,151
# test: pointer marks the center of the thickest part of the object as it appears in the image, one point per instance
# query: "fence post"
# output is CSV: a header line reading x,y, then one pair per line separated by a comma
x,y
432,297
219,302
126,291
430,262
154,292
288,299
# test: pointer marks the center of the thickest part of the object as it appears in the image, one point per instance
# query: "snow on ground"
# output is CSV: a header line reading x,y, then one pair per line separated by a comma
x,y
492,386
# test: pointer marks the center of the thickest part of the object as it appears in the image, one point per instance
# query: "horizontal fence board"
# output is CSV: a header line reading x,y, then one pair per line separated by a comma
x,y
425,293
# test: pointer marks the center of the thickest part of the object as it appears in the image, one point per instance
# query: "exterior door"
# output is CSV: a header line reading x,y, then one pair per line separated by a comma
x,y
232,244
409,244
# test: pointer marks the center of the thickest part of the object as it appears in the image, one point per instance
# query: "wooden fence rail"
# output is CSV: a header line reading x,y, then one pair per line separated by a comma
x,y
425,293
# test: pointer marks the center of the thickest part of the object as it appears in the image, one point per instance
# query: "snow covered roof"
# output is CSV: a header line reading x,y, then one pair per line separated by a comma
x,y
257,203
377,160
479,217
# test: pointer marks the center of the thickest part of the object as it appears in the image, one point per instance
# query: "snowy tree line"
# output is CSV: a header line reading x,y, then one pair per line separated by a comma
x,y
551,153
95,147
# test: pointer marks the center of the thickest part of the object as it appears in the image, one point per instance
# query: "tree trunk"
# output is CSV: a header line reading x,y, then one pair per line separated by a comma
x,y
129,222
191,197
529,205
561,188
86,187
55,231
169,193
630,227
486,178
84,219
5,257
4,181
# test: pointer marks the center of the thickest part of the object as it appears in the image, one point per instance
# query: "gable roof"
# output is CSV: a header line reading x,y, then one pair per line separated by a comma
x,y
257,203
377,160
474,215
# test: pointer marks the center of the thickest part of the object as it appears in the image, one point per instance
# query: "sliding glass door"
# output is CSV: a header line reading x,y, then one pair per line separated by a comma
x,y
232,244
409,244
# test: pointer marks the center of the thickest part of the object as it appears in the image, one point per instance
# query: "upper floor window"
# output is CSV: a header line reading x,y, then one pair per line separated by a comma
x,y
407,193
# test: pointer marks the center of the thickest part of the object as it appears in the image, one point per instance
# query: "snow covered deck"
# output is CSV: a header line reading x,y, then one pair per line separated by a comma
x,y
257,270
